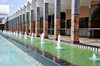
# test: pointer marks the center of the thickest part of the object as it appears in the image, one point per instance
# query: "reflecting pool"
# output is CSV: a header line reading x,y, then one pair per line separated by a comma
x,y
9,56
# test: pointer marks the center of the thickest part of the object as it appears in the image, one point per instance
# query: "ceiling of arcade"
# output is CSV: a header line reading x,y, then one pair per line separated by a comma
x,y
95,2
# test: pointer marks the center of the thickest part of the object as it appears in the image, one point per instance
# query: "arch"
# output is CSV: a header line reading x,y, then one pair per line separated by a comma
x,y
95,22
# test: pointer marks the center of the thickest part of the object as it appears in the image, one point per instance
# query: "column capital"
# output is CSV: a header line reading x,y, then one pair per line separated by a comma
x,y
38,14
46,1
75,6
57,8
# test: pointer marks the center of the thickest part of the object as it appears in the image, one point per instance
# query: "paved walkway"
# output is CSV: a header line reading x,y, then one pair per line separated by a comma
x,y
86,41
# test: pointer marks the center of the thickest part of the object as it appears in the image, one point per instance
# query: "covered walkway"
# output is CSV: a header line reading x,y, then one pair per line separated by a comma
x,y
77,18
83,40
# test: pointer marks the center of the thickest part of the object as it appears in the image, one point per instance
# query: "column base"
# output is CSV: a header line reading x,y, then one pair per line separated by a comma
x,y
55,38
23,33
37,35
75,42
46,37
56,27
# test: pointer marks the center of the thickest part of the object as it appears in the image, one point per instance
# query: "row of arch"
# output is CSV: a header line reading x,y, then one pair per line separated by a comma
x,y
27,18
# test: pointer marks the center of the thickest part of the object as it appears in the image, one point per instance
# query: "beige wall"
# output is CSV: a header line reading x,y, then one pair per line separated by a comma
x,y
84,12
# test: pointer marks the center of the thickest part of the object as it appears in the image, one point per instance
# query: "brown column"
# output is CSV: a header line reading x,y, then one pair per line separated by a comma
x,y
56,28
31,27
34,25
18,25
75,21
66,24
57,19
27,27
37,29
23,28
27,22
45,27
32,22
23,24
75,29
45,17
19,28
66,27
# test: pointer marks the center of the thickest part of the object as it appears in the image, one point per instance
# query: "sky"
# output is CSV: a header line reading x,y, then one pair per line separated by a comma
x,y
13,4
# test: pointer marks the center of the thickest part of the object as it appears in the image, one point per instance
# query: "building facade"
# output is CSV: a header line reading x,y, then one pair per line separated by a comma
x,y
76,18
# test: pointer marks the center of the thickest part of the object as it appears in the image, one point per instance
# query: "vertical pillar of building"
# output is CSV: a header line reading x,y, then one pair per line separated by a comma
x,y
57,19
27,22
18,24
23,24
9,25
68,13
32,22
37,29
13,25
66,24
75,21
52,21
45,18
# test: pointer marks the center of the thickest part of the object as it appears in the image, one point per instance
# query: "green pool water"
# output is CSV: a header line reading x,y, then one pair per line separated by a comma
x,y
9,56
72,54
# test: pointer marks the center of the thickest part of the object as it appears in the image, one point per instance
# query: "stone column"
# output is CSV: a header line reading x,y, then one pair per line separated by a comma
x,y
20,22
32,22
37,29
17,24
27,22
51,26
75,21
45,18
66,24
23,24
57,19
